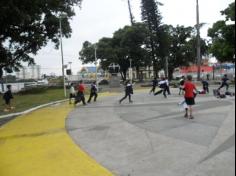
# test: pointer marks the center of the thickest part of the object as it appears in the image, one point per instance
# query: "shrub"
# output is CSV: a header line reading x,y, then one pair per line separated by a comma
x,y
104,82
33,90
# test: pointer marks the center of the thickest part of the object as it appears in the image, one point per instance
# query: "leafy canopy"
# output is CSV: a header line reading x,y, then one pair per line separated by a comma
x,y
28,25
223,36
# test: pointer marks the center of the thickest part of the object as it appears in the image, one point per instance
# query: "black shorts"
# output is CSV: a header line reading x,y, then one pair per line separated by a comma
x,y
190,101
72,95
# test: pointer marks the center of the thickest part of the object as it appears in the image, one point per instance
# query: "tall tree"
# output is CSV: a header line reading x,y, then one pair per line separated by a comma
x,y
127,43
151,16
27,26
223,36
183,47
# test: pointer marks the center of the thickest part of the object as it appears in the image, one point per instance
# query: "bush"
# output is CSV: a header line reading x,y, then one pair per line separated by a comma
x,y
33,90
104,82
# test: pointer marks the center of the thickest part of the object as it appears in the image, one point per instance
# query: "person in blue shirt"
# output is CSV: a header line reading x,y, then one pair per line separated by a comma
x,y
163,85
7,96
128,92
205,86
93,92
224,83
154,85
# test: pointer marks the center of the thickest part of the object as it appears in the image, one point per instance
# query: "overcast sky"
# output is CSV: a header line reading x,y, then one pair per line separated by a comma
x,y
101,18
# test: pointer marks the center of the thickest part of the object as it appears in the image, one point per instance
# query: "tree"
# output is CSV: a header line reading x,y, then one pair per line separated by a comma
x,y
27,26
127,43
181,53
223,36
152,18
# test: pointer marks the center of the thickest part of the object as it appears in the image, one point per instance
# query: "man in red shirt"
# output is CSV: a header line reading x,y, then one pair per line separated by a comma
x,y
80,95
189,96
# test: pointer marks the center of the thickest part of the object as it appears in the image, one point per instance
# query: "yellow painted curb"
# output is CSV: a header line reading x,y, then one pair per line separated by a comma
x,y
37,144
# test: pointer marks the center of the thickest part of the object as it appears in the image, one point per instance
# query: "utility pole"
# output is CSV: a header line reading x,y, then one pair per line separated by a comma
x,y
96,62
62,56
130,13
199,59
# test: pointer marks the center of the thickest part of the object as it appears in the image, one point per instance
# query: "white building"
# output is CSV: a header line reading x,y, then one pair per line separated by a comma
x,y
31,72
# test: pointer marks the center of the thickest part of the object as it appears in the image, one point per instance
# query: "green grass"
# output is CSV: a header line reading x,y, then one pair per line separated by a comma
x,y
25,102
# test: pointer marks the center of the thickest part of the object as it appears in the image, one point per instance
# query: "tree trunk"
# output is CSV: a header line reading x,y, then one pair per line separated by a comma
x,y
1,79
137,72
155,69
123,74
1,72
171,71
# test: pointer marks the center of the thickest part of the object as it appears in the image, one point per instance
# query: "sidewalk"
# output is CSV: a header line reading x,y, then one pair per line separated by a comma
x,y
37,144
151,138
147,138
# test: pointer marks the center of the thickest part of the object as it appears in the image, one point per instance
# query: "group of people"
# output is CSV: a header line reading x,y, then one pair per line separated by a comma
x,y
163,84
186,87
78,93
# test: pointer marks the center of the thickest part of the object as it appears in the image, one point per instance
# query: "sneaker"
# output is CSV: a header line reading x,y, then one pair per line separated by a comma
x,y
186,115
6,110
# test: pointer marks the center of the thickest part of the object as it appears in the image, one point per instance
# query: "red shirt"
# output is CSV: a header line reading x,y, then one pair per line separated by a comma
x,y
81,88
189,87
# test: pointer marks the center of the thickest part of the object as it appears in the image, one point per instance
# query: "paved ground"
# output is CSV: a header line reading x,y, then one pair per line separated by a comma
x,y
151,138
37,144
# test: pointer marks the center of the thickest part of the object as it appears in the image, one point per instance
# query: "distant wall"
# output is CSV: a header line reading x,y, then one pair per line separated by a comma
x,y
16,87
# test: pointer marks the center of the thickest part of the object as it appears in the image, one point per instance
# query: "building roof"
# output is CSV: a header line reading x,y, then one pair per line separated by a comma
x,y
194,69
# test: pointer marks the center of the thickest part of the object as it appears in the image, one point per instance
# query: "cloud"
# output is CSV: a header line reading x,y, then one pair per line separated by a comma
x,y
101,18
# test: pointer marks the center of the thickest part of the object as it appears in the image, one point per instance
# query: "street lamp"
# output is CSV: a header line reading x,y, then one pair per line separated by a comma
x,y
199,59
96,62
62,57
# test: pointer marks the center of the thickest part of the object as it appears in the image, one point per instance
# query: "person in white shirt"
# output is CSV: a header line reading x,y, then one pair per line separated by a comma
x,y
163,85
72,92
128,92
168,86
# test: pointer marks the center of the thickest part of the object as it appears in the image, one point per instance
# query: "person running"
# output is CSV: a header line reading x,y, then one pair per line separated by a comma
x,y
93,92
7,96
189,96
181,84
72,93
168,86
128,92
205,86
224,83
154,85
80,94
163,85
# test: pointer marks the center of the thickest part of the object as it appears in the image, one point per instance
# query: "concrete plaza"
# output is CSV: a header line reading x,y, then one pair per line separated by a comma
x,y
151,138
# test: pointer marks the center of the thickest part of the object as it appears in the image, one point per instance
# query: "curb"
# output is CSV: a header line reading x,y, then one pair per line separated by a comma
x,y
31,110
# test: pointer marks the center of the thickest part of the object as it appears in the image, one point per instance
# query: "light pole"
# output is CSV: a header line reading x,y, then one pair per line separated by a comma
x,y
62,57
199,59
96,60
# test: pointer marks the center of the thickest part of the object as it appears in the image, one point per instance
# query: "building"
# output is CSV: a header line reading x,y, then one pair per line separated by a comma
x,y
31,72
